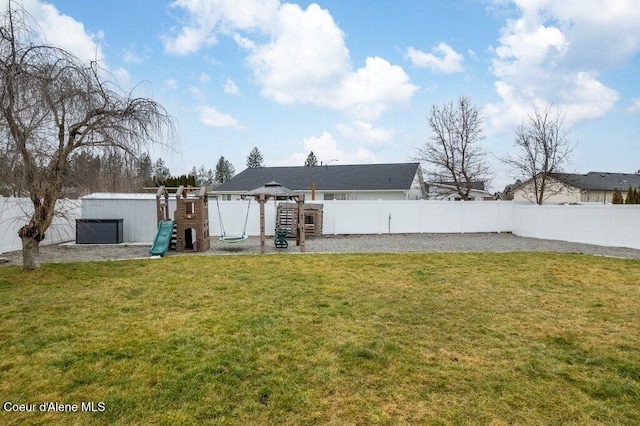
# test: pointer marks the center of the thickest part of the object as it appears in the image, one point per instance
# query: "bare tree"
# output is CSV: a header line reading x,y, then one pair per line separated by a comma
x,y
543,149
52,106
454,151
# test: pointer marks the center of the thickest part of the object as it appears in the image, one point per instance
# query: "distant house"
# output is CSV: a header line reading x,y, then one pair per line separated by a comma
x,y
447,191
396,181
593,187
507,193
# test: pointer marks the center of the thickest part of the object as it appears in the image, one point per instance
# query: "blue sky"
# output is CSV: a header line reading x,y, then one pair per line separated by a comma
x,y
353,80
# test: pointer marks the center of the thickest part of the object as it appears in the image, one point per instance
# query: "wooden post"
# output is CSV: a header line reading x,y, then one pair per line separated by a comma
x,y
262,200
301,237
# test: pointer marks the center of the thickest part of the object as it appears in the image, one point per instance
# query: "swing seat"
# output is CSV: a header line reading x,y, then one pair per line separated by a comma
x,y
233,238
281,238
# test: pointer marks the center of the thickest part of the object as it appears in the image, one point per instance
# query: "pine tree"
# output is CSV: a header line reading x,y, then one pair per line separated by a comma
x,y
160,171
144,171
617,197
254,159
224,170
636,196
311,160
629,199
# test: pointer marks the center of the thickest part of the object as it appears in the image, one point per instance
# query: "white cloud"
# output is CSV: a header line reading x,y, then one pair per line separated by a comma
x,y
210,17
371,90
602,33
209,116
244,42
63,31
304,58
554,52
230,88
364,132
326,150
443,59
132,56
171,84
188,41
635,105
204,77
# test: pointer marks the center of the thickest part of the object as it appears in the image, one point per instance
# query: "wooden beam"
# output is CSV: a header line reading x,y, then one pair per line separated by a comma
x,y
300,240
262,200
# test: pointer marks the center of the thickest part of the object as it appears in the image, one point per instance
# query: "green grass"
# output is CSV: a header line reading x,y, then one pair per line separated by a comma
x,y
326,339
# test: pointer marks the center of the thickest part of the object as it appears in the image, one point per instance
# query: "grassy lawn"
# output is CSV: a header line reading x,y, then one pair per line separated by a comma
x,y
325,339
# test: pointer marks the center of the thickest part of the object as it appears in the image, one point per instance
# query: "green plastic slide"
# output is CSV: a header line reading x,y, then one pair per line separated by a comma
x,y
163,238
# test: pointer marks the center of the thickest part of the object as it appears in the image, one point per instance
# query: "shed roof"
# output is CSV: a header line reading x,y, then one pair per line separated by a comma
x,y
118,196
353,177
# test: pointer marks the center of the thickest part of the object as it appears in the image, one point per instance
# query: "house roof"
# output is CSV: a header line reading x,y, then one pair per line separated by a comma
x,y
600,181
353,177
478,185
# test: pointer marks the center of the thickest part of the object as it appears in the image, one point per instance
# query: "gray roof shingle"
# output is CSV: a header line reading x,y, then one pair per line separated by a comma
x,y
353,177
600,181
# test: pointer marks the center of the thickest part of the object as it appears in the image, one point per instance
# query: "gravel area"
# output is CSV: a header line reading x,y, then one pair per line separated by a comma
x,y
504,242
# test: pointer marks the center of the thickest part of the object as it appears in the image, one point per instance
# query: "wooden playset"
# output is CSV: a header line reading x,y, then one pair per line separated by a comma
x,y
191,217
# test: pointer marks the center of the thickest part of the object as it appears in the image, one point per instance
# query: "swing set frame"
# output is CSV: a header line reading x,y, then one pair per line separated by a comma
x,y
232,238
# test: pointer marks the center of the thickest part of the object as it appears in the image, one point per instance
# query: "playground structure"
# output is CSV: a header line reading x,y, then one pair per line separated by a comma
x,y
278,192
189,227
287,219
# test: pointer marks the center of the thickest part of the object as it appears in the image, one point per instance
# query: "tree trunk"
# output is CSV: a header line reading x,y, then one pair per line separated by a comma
x,y
30,254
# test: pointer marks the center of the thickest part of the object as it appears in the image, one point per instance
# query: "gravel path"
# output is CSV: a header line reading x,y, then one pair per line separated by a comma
x,y
504,242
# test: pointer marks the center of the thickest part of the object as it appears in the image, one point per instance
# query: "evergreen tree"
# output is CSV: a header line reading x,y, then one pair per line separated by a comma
x,y
254,159
311,160
160,171
617,197
144,172
210,178
224,170
629,199
204,177
636,196
176,181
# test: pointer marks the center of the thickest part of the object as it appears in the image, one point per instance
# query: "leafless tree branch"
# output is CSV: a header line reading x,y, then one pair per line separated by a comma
x,y
454,152
543,148
54,106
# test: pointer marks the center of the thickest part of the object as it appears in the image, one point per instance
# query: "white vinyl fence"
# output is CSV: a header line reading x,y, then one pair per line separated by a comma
x,y
405,216
14,213
599,224
606,225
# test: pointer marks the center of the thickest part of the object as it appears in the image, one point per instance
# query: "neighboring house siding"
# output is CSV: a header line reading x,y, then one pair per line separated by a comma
x,y
597,196
592,187
448,193
356,195
556,193
416,192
